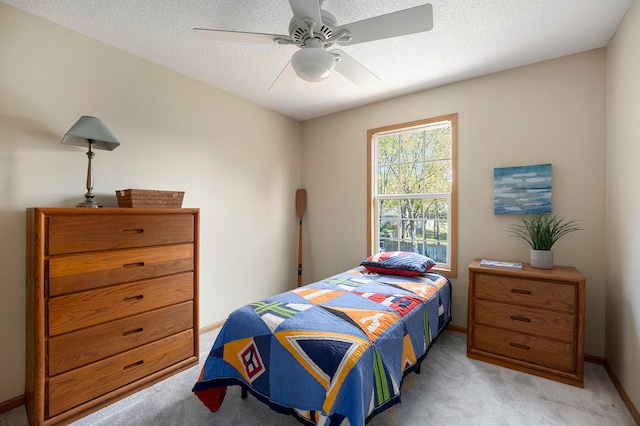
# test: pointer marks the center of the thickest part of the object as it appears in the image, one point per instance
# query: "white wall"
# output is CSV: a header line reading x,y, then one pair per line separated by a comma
x,y
623,204
550,112
236,161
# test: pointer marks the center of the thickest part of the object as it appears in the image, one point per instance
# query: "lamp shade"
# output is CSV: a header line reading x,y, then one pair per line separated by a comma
x,y
313,63
90,128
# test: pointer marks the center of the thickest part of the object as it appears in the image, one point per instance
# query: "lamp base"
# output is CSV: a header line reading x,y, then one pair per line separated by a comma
x,y
89,202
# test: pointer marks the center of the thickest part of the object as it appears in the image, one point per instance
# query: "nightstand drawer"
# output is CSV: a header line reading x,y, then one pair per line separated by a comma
x,y
530,349
92,344
78,272
82,233
538,322
70,389
526,292
79,310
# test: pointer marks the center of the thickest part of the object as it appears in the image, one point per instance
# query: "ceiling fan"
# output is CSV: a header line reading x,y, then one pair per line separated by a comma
x,y
314,30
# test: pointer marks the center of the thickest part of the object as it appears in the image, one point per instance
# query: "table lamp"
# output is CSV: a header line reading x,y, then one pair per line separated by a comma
x,y
90,131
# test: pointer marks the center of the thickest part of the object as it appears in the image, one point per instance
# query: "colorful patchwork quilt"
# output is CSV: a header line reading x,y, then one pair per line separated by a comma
x,y
333,352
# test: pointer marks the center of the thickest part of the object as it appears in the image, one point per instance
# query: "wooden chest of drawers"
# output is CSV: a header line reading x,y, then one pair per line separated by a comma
x,y
531,320
112,299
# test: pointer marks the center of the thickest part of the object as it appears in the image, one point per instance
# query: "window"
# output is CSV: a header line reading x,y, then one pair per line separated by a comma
x,y
413,190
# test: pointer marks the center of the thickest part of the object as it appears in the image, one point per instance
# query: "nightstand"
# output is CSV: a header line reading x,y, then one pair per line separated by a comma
x,y
531,320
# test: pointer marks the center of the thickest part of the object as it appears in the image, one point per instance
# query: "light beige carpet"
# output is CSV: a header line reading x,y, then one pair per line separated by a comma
x,y
451,390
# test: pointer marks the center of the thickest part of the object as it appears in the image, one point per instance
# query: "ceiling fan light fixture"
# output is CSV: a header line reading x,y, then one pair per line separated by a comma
x,y
313,63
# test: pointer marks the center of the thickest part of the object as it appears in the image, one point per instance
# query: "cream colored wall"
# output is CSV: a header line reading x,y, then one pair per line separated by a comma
x,y
622,347
549,112
236,161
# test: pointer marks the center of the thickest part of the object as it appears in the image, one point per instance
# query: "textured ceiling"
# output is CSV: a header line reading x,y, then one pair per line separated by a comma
x,y
469,38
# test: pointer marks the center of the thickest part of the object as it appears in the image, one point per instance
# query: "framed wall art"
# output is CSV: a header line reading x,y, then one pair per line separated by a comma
x,y
522,189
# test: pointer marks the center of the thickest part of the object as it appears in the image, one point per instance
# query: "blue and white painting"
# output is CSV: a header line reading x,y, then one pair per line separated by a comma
x,y
522,190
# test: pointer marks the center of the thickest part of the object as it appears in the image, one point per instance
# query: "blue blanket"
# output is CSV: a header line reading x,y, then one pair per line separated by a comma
x,y
333,350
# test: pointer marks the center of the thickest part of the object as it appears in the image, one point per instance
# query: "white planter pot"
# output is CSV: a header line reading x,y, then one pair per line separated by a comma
x,y
542,259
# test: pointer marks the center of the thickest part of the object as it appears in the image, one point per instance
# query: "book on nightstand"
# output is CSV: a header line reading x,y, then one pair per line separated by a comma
x,y
500,264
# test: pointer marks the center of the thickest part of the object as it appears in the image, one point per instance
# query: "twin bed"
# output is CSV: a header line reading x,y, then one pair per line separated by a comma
x,y
333,352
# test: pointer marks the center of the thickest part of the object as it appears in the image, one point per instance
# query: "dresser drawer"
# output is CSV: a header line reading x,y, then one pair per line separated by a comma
x,y
530,349
81,233
542,294
78,272
538,322
79,310
70,389
92,344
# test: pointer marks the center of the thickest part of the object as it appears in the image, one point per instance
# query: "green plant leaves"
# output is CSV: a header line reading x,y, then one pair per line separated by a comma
x,y
542,231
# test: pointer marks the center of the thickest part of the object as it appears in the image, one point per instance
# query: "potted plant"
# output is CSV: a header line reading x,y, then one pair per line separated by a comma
x,y
541,232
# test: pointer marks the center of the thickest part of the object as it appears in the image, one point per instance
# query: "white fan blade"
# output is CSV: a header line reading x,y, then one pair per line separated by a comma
x,y
284,80
409,21
237,36
354,70
306,9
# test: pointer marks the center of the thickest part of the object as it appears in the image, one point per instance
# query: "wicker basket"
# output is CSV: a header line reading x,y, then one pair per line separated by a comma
x,y
149,198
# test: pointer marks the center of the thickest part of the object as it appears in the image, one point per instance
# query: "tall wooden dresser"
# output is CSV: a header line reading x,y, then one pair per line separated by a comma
x,y
531,320
112,305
